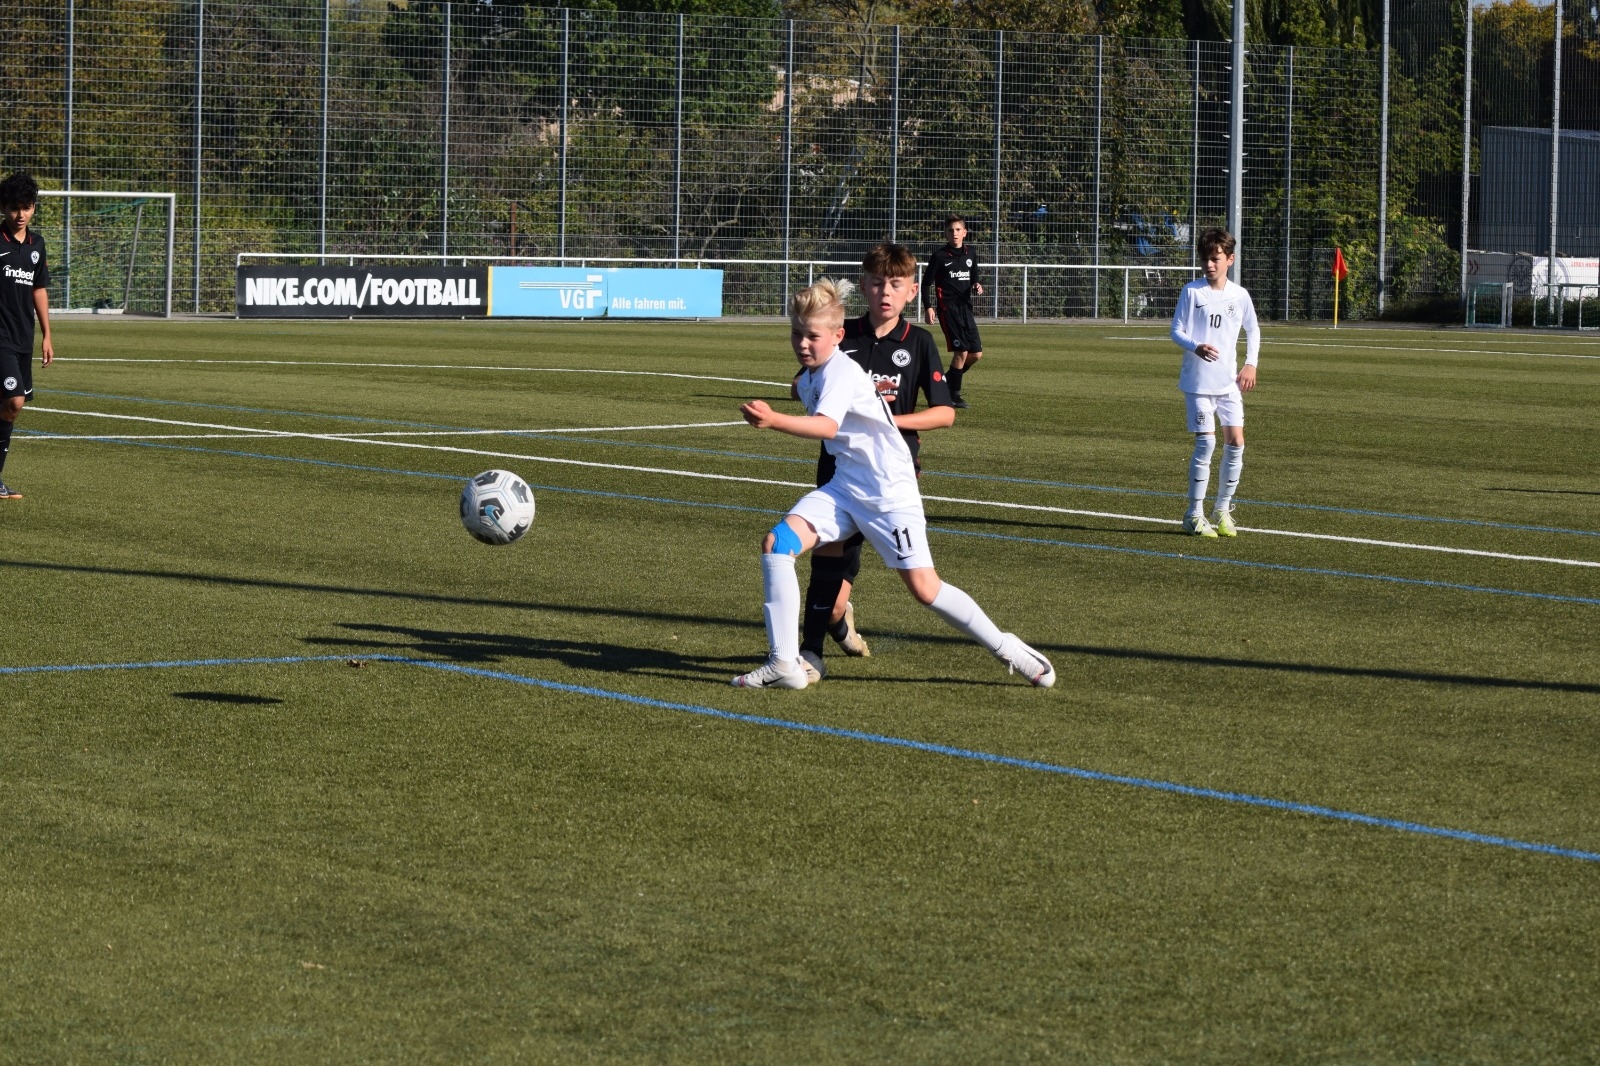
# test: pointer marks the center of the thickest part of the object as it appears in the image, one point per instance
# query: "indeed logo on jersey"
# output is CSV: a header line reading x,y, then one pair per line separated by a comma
x,y
888,387
22,277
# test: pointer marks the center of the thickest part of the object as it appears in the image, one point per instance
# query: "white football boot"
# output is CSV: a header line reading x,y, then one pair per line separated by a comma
x,y
813,665
853,644
1223,521
773,673
1021,659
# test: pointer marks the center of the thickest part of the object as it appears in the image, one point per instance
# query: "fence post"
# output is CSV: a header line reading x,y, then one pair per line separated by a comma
x,y
1236,138
1555,171
199,112
1194,174
1288,183
444,143
677,158
1024,293
566,37
322,182
1466,153
894,143
1126,271
999,89
1383,167
1099,126
788,160
66,201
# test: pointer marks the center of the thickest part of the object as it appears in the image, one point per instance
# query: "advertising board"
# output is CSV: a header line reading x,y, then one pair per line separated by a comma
x,y
362,292
613,292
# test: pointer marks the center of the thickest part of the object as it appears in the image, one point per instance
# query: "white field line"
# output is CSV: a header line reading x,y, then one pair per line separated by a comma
x,y
673,472
1392,348
387,433
429,366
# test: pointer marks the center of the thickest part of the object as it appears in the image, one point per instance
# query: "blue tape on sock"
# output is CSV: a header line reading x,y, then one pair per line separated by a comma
x,y
785,540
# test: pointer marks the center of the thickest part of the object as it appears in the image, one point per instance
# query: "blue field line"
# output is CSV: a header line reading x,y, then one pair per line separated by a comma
x,y
1149,552
1099,776
1044,483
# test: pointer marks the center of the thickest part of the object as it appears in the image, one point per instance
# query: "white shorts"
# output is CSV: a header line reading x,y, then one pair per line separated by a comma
x,y
901,537
1228,406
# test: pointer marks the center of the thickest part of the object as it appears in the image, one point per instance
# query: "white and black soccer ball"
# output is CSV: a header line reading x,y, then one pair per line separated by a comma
x,y
497,507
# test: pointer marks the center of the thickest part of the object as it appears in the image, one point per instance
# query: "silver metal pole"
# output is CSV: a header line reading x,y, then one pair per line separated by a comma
x,y
677,157
894,143
66,214
566,56
999,90
1466,152
1288,182
1236,139
199,113
444,143
1099,123
133,252
788,160
1555,171
322,184
1383,169
172,229
1194,177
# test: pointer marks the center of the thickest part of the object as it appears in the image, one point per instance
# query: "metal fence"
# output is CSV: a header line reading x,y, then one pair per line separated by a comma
x,y
349,126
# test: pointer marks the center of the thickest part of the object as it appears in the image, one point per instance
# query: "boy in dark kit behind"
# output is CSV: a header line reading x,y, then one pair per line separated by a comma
x,y
902,361
947,288
24,294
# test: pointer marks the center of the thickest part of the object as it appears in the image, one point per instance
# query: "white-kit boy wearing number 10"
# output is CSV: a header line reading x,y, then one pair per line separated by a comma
x,y
1211,312
873,491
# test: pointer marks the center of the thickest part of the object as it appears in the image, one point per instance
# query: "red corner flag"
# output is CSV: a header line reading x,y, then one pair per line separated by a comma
x,y
1340,271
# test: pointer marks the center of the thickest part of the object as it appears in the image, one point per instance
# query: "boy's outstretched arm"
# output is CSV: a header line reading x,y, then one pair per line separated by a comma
x,y
810,427
41,307
1252,347
927,418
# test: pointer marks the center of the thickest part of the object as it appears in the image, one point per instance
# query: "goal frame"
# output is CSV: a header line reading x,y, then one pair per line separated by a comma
x,y
85,194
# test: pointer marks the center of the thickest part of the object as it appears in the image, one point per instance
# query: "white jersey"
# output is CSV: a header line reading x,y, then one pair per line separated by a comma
x,y
873,463
1209,316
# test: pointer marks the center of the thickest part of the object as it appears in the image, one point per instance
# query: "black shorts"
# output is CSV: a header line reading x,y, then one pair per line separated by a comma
x,y
960,327
16,375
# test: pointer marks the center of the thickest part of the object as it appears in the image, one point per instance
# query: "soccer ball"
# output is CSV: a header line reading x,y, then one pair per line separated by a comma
x,y
497,507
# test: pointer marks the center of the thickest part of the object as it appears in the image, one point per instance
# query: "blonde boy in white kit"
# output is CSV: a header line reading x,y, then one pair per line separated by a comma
x,y
873,490
1206,325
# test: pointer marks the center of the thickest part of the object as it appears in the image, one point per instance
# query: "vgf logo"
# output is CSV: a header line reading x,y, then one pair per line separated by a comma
x,y
584,297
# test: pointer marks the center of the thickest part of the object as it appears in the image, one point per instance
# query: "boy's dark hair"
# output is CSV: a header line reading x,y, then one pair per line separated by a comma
x,y
889,260
1212,240
951,220
19,190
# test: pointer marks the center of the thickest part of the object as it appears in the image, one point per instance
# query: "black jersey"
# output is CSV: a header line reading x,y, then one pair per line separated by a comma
x,y
902,363
950,276
22,270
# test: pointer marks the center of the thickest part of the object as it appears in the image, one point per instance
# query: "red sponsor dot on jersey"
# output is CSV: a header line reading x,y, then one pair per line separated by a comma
x,y
938,376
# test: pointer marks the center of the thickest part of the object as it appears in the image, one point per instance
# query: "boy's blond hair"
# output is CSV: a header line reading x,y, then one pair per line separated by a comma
x,y
824,300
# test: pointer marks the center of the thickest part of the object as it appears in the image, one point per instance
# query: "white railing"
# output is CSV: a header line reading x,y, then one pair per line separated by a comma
x,y
1027,273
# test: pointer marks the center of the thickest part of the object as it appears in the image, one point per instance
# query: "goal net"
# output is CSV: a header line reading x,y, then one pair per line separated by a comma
x,y
110,252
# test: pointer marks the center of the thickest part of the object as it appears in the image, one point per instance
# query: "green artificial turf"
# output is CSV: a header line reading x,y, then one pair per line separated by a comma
x,y
363,859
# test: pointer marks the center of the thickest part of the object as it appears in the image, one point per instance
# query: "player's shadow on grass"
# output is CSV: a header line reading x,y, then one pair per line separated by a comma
x,y
497,648
1550,492
226,697
320,588
1375,672
1080,527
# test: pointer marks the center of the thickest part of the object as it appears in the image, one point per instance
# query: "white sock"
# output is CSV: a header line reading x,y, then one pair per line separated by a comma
x,y
963,613
1232,466
782,606
1200,471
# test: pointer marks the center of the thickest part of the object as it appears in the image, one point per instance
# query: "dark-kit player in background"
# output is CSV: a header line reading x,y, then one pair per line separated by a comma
x,y
24,294
948,286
